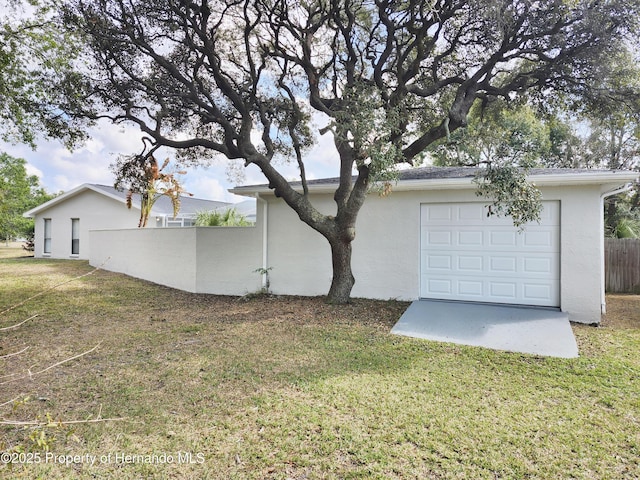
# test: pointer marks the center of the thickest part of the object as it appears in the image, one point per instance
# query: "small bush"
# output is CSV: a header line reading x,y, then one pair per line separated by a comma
x,y
227,218
29,244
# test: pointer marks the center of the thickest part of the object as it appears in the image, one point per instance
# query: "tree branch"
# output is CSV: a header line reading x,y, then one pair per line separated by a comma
x,y
36,423
17,324
30,374
15,353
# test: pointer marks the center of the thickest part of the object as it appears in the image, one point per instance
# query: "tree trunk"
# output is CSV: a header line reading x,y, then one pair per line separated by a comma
x,y
340,230
343,279
611,217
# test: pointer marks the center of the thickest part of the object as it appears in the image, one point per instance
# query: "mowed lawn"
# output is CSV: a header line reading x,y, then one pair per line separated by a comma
x,y
188,386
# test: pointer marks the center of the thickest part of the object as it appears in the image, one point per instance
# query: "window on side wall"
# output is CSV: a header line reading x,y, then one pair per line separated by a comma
x,y
47,236
75,236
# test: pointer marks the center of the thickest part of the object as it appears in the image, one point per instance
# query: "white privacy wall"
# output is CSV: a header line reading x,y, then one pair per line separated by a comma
x,y
227,259
219,260
299,257
386,251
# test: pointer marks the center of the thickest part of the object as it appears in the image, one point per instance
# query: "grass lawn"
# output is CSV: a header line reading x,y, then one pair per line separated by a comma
x,y
215,387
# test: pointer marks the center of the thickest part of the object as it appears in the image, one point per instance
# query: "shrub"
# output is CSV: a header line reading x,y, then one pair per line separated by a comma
x,y
227,218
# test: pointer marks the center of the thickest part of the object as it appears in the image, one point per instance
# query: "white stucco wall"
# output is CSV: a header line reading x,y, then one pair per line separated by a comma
x,y
94,211
386,251
300,258
227,260
580,239
218,260
164,256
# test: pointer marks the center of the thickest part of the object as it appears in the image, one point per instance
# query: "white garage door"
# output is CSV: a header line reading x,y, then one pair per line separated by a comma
x,y
467,255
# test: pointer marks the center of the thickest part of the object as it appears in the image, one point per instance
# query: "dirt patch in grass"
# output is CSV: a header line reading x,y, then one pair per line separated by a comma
x,y
623,312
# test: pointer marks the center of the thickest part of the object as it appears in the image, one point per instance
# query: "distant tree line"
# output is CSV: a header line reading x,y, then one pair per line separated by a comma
x,y
19,192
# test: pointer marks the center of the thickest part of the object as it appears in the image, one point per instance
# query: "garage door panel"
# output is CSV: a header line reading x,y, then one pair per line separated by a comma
x,y
537,294
516,291
503,264
476,214
438,212
488,260
502,239
546,239
538,265
550,214
439,262
506,291
440,287
470,288
437,238
542,237
470,238
470,263
469,211
462,264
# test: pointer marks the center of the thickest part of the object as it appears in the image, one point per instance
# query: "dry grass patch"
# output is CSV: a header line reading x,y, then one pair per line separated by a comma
x,y
287,387
623,312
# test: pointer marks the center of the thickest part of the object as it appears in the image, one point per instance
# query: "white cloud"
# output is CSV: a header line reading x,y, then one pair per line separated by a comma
x,y
63,184
118,138
31,170
59,169
63,169
203,186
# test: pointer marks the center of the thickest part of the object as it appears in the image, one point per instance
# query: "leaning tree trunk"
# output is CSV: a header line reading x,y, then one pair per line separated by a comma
x,y
339,230
343,279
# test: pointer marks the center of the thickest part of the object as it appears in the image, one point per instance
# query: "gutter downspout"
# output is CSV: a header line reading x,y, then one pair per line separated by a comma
x,y
624,188
265,240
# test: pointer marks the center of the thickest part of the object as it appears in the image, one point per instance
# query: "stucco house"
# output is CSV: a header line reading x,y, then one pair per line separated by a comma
x,y
62,224
431,238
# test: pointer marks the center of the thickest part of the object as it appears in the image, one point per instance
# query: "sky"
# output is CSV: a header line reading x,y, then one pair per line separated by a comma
x,y
61,170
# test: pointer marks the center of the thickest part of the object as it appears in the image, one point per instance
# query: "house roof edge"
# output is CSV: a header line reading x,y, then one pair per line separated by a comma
x,y
66,195
541,177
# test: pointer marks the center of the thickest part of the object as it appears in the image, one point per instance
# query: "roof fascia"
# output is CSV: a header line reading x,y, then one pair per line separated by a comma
x,y
543,180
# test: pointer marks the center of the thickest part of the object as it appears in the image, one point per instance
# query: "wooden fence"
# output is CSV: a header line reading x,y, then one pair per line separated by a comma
x,y
622,265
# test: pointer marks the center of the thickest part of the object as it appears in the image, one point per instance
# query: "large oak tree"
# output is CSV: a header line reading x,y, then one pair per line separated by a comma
x,y
245,79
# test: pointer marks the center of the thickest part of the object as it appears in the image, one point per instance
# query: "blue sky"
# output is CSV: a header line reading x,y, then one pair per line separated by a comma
x,y
61,170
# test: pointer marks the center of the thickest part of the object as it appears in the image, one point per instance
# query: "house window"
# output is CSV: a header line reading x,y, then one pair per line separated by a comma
x,y
75,236
47,235
181,222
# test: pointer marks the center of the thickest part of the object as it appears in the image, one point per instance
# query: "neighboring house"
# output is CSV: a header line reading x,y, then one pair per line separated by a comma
x,y
431,238
62,224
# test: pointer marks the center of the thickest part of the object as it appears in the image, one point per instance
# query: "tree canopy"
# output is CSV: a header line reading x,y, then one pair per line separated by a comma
x,y
39,84
19,192
603,131
500,134
250,80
